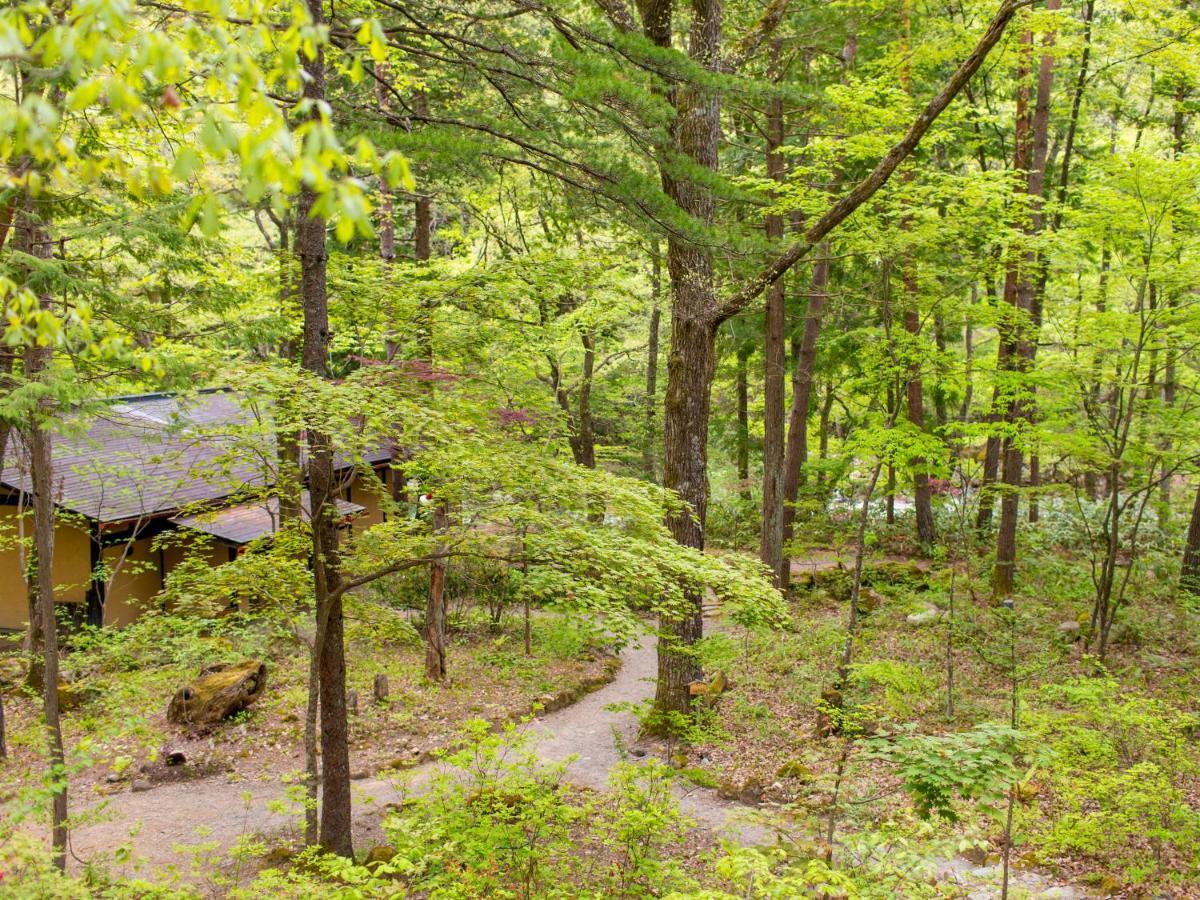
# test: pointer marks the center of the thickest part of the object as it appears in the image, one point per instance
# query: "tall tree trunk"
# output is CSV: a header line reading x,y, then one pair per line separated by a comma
x,y
650,407
823,430
289,479
1019,343
685,470
914,388
964,410
329,643
1037,187
922,496
941,410
1170,376
774,362
25,239
435,607
583,438
37,361
423,247
796,457
742,401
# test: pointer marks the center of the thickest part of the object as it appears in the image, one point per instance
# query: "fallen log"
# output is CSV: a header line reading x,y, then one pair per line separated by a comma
x,y
220,692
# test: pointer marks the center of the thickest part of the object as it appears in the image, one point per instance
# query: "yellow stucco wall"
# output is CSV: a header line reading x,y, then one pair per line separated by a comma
x,y
365,491
72,566
136,580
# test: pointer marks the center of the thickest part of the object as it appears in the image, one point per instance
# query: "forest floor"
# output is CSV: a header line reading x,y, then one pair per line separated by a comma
x,y
773,781
183,830
125,691
1114,734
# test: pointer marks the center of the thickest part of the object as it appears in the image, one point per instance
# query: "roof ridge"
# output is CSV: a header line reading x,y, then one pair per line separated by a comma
x,y
163,395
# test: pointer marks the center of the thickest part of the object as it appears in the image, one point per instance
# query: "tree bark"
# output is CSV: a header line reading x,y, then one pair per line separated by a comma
x,y
695,134
25,239
329,644
37,361
649,410
742,400
774,362
1037,187
1009,351
435,607
914,388
796,457
922,496
583,438
1018,344
823,430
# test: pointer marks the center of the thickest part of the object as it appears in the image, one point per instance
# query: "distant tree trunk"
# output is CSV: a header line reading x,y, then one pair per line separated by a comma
x,y
796,457
423,248
742,448
991,471
1170,376
329,642
583,441
581,434
650,408
922,496
964,411
823,430
1019,343
1009,364
991,453
37,362
940,410
1037,186
435,607
774,363
914,388
1189,577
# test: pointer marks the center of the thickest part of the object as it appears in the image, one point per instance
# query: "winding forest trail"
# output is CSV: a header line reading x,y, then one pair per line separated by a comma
x,y
216,813
160,824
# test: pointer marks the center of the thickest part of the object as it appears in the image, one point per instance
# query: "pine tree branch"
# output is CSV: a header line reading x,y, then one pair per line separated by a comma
x,y
865,189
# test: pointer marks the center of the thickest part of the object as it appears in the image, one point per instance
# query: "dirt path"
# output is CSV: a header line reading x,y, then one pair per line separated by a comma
x,y
157,823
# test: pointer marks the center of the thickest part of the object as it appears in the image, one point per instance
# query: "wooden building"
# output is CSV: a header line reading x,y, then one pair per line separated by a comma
x,y
148,464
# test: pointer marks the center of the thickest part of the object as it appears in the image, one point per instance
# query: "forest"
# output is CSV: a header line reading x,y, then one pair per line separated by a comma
x,y
590,448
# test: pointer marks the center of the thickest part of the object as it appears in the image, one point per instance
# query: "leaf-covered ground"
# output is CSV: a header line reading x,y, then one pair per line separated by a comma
x,y
126,681
1111,793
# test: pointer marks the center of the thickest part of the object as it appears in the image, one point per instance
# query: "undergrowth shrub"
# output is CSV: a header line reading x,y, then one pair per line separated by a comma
x,y
1123,769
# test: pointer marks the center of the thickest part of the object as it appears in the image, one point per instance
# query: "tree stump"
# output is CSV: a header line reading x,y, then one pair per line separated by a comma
x,y
381,688
220,692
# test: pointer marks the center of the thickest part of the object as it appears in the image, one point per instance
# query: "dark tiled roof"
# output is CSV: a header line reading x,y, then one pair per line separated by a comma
x,y
155,454
243,523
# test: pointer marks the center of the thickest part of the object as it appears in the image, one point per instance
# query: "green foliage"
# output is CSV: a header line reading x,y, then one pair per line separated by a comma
x,y
1119,786
940,770
902,683
495,822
